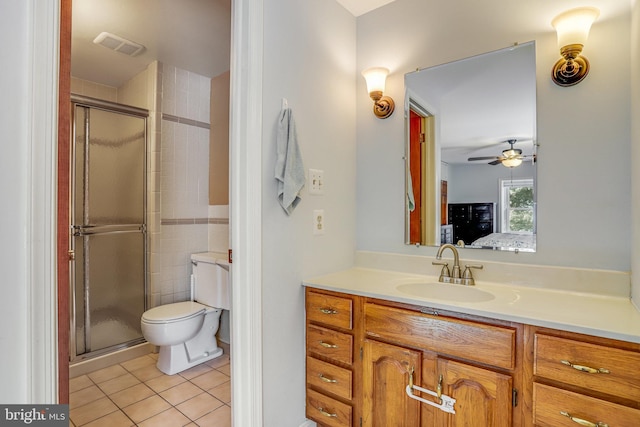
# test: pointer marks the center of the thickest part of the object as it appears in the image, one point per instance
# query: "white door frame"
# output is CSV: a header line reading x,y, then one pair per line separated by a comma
x,y
246,211
42,105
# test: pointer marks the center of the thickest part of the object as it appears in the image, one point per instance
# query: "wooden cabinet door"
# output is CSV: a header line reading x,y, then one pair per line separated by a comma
x,y
483,397
386,375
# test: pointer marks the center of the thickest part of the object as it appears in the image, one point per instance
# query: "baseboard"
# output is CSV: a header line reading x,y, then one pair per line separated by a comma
x,y
308,423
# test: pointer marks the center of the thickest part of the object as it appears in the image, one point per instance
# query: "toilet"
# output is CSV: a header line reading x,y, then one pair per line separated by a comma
x,y
186,331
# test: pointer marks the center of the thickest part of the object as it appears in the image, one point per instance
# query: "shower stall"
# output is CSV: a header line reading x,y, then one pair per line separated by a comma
x,y
108,227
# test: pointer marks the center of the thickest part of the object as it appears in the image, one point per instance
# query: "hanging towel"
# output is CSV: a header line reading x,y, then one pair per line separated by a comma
x,y
289,168
411,202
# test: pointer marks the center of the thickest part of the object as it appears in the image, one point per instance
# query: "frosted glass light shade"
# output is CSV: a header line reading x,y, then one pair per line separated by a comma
x,y
573,25
376,78
512,163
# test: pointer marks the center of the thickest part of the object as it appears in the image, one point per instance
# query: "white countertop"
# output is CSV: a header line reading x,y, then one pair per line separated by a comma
x,y
606,316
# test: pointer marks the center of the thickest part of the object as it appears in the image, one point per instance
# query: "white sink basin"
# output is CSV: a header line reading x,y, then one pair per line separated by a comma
x,y
445,291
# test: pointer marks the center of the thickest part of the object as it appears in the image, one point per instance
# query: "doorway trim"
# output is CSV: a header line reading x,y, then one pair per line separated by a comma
x,y
44,22
246,211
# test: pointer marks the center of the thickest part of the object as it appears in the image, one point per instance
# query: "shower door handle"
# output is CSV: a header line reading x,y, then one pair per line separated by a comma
x,y
87,230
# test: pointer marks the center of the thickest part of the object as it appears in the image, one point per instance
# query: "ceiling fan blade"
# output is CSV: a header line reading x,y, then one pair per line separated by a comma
x,y
471,159
495,162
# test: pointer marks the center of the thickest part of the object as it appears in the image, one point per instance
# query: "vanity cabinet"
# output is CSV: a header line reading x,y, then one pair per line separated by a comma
x,y
363,352
331,366
583,380
469,361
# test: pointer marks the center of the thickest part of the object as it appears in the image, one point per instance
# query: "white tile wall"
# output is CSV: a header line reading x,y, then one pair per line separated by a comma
x,y
185,94
177,243
183,173
219,229
93,90
134,91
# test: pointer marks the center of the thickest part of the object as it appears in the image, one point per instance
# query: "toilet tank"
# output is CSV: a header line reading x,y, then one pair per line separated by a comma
x,y
211,279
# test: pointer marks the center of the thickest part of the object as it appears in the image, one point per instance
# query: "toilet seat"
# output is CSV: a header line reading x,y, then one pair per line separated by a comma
x,y
175,312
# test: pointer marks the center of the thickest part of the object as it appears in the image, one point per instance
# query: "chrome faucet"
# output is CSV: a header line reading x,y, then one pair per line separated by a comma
x,y
454,276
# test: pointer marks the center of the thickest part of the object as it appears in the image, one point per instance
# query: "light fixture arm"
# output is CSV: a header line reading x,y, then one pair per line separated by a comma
x,y
383,106
572,68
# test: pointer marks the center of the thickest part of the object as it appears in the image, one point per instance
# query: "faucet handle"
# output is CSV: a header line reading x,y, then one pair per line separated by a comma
x,y
445,275
467,277
467,270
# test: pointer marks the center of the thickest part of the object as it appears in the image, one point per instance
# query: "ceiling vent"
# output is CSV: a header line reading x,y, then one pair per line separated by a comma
x,y
118,44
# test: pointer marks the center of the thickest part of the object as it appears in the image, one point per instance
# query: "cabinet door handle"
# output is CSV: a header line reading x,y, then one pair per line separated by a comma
x,y
586,369
329,311
328,345
327,414
445,403
327,379
583,422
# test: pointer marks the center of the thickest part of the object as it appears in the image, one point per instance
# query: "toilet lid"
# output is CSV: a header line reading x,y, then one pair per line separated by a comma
x,y
173,312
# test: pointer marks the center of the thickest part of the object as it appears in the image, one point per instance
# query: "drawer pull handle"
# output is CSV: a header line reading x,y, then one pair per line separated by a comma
x,y
583,422
586,369
329,311
327,379
328,345
327,414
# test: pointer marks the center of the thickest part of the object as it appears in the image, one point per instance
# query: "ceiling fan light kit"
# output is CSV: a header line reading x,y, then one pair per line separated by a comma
x,y
510,158
512,162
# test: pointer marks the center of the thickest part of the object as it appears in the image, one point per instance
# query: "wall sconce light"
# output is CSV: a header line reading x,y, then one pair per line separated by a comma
x,y
573,28
382,105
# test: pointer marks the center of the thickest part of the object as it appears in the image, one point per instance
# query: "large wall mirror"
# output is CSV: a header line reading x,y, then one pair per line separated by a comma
x,y
471,152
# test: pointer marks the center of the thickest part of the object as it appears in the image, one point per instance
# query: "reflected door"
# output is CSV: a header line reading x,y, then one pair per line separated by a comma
x,y
416,138
108,227
422,184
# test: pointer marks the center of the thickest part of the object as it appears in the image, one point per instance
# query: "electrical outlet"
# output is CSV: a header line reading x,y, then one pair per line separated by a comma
x,y
318,222
316,179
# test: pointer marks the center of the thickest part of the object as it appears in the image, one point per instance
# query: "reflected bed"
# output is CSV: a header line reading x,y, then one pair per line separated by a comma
x,y
507,241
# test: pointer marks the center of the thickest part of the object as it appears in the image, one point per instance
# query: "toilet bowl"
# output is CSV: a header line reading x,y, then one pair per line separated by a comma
x,y
186,331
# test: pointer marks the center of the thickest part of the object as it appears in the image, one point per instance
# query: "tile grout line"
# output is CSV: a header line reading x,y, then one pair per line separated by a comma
x,y
155,393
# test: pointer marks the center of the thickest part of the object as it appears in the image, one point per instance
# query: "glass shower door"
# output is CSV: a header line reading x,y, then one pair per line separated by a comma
x,y
108,227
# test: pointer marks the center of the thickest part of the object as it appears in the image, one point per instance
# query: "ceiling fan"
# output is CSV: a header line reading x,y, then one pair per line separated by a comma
x,y
510,158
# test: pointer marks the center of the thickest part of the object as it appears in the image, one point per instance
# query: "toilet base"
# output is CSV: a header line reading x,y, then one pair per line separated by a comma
x,y
174,359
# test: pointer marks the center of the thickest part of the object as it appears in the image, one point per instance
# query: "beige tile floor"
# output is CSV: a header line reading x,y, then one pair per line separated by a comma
x,y
136,393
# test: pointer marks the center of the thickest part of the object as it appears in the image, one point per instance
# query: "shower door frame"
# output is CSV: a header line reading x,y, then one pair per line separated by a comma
x,y
111,107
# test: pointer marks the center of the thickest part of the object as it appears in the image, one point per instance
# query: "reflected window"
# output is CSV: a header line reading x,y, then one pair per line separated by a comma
x,y
516,199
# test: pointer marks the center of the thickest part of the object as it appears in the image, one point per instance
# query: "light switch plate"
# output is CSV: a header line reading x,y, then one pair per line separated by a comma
x,y
316,181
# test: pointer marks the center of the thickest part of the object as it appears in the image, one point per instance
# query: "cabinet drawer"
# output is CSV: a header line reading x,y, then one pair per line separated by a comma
x,y
623,378
549,403
329,343
329,378
493,345
329,310
327,411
